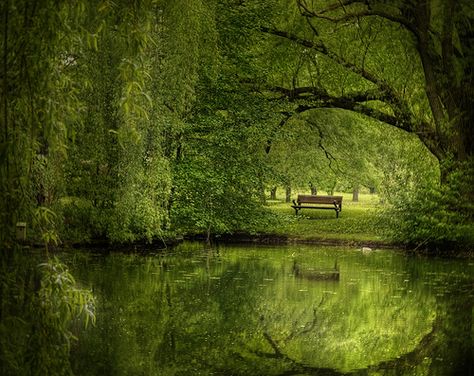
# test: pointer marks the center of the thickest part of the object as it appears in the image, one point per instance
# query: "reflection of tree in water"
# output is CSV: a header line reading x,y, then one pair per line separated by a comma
x,y
253,316
206,317
448,329
294,367
402,364
347,327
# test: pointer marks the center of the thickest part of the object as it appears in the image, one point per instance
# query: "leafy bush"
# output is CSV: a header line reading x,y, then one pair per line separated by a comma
x,y
435,216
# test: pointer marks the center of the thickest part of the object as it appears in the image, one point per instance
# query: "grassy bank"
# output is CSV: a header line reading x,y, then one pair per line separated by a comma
x,y
358,222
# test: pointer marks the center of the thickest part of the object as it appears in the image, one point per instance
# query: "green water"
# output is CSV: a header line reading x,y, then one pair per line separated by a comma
x,y
242,310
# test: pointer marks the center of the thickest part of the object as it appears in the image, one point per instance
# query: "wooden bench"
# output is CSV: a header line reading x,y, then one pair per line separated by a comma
x,y
316,202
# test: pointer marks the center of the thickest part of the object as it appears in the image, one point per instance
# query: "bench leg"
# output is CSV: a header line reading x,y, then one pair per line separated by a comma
x,y
337,209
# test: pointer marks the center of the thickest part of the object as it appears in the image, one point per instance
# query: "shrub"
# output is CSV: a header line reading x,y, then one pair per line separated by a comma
x,y
435,216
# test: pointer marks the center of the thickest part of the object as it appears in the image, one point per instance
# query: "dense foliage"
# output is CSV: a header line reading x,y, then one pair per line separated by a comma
x,y
138,120
432,216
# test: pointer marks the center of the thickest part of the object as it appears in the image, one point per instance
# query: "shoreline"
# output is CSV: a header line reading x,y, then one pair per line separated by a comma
x,y
160,245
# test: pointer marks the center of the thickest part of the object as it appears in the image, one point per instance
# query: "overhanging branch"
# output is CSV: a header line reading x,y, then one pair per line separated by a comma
x,y
422,130
382,91
347,16
312,92
411,16
335,6
314,98
319,46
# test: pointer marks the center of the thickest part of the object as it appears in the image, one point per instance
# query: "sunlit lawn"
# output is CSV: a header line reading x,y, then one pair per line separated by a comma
x,y
358,221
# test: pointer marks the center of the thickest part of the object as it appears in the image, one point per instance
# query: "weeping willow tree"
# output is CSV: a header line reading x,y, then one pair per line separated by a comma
x,y
94,99
85,130
98,102
118,175
35,109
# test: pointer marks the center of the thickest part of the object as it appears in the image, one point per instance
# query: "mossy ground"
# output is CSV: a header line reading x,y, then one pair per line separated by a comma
x,y
358,222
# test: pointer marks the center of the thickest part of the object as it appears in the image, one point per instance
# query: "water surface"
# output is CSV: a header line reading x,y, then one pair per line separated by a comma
x,y
240,310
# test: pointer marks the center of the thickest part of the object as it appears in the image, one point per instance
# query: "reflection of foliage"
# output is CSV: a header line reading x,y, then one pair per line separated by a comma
x,y
58,290
409,361
40,309
243,312
353,329
58,304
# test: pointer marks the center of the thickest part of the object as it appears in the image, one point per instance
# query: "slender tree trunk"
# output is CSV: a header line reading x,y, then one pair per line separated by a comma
x,y
273,193
288,194
263,198
261,187
422,16
331,189
355,194
314,189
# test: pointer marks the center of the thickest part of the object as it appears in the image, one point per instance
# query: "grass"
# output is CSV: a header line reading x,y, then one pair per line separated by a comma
x,y
358,222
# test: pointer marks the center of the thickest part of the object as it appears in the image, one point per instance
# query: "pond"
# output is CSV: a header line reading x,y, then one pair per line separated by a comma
x,y
276,310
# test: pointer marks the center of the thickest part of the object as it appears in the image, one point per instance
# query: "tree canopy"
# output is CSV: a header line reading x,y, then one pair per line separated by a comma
x,y
405,63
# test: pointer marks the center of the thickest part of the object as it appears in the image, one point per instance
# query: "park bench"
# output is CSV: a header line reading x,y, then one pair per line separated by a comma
x,y
317,202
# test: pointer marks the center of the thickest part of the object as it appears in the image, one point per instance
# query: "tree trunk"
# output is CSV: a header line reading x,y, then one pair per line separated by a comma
x,y
314,189
331,189
355,194
288,194
273,193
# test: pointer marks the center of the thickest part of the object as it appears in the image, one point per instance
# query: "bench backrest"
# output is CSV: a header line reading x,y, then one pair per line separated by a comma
x,y
309,199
